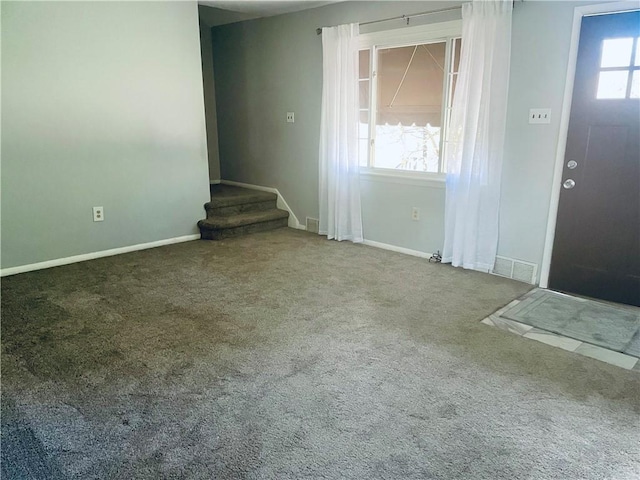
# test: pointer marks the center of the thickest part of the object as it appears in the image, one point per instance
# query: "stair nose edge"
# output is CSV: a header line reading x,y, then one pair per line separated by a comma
x,y
223,222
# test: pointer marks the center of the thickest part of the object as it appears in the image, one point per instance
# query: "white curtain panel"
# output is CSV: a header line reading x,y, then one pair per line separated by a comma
x,y
476,136
340,212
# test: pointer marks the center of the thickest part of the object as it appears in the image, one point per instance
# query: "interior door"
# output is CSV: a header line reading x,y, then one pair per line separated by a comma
x,y
596,251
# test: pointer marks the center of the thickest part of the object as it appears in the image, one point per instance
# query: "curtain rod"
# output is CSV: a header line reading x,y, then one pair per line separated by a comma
x,y
400,17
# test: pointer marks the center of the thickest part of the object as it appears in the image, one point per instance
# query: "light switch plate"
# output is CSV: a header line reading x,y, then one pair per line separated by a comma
x,y
539,115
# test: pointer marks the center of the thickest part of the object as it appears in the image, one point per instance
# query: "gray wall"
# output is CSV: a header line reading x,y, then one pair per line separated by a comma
x,y
538,74
209,85
267,67
102,105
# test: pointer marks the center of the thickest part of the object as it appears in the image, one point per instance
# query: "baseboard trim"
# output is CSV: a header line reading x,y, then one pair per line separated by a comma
x,y
282,203
393,248
91,256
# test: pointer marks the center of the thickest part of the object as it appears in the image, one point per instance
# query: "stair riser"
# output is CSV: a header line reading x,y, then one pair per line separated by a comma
x,y
221,234
235,209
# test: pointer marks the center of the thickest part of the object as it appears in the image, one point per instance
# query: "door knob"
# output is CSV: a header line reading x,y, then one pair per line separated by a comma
x,y
569,184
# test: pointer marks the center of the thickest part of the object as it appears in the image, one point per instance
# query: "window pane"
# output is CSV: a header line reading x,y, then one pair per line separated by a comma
x,y
409,115
637,62
412,148
457,45
363,152
364,93
616,52
364,119
364,63
454,81
612,84
635,85
363,138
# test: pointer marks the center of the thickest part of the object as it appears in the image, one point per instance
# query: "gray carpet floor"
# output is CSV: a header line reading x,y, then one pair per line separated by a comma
x,y
282,355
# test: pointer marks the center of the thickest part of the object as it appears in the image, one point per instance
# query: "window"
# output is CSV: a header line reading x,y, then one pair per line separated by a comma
x,y
407,82
619,75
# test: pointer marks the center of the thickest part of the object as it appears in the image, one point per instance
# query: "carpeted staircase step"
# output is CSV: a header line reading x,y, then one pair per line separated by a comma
x,y
229,196
230,200
218,227
235,211
213,210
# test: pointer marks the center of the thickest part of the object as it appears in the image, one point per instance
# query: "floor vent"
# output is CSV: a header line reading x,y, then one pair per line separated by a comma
x,y
515,269
313,225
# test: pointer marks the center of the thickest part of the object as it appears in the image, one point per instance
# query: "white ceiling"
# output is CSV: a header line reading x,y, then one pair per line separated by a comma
x,y
264,8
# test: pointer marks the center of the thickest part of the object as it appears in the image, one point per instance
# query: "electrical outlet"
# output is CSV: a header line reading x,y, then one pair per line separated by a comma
x,y
415,214
98,214
539,115
290,117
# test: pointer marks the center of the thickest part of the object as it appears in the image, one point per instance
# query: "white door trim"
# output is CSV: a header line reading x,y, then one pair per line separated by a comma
x,y
578,13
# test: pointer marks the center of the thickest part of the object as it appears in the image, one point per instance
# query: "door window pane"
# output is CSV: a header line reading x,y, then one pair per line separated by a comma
x,y
616,52
409,107
612,84
637,61
635,85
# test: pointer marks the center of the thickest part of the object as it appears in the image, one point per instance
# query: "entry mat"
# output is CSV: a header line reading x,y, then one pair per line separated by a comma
x,y
609,326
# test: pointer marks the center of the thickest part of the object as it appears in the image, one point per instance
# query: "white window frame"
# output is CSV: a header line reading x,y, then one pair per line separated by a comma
x,y
432,33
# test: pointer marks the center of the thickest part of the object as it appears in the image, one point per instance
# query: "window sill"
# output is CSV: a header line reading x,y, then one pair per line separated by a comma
x,y
421,179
